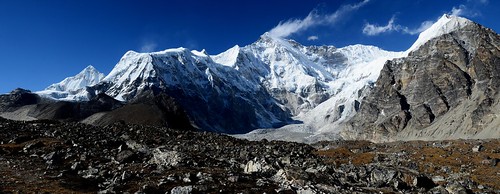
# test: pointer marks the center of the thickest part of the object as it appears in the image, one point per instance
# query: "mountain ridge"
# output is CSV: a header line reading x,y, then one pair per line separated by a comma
x,y
314,90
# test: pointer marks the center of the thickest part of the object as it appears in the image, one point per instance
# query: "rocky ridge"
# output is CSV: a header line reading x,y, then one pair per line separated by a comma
x,y
446,89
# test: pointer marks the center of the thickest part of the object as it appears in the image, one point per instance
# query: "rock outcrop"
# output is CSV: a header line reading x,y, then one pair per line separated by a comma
x,y
447,88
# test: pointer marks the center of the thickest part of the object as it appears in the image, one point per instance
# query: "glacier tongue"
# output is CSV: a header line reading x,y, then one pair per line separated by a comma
x,y
73,88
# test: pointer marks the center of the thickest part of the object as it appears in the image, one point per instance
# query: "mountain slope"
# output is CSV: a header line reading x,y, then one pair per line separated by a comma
x,y
302,77
447,88
73,88
215,96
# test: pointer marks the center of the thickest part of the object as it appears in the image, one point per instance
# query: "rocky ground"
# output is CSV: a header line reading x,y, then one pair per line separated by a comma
x,y
53,157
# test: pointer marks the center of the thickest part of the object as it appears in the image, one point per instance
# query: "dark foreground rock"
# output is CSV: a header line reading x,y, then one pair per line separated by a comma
x,y
47,156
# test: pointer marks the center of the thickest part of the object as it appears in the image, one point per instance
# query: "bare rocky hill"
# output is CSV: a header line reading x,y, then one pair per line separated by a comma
x,y
446,89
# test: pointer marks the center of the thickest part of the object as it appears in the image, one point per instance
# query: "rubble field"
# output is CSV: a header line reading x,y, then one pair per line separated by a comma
x,y
55,157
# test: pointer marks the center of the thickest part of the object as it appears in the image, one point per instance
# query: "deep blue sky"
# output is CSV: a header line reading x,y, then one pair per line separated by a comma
x,y
44,41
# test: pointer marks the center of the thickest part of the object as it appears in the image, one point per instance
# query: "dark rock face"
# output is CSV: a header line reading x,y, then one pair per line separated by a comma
x,y
73,111
149,109
452,81
17,98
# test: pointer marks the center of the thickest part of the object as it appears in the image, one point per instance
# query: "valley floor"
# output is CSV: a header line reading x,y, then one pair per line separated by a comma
x,y
47,156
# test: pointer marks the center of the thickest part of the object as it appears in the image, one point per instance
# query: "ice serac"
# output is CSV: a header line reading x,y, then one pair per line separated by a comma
x,y
216,96
447,88
73,88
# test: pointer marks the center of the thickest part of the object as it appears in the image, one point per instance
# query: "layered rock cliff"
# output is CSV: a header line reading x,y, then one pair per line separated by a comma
x,y
447,88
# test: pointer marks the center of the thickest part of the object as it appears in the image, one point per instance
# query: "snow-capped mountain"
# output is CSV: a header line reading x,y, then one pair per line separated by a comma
x,y
269,83
354,82
262,85
73,88
216,96
301,77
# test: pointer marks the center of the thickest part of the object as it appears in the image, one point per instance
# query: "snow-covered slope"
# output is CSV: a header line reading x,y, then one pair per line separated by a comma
x,y
216,96
445,24
301,77
353,76
73,88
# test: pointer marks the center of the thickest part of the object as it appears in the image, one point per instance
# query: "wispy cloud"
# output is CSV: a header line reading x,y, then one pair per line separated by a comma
x,y
373,29
148,47
458,11
470,9
289,27
466,10
312,38
423,26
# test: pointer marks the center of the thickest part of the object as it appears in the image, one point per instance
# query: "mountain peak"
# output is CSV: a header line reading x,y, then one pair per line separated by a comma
x,y
444,25
89,68
229,57
72,88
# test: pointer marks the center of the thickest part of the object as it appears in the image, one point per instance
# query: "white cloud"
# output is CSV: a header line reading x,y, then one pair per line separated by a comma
x,y
287,28
373,29
148,47
469,10
312,38
458,11
423,26
293,26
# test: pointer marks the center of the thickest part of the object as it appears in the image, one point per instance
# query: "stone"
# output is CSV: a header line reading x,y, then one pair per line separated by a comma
x,y
477,148
53,158
125,176
438,179
89,173
456,188
306,191
438,190
32,145
252,167
423,182
165,158
233,179
126,156
379,176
